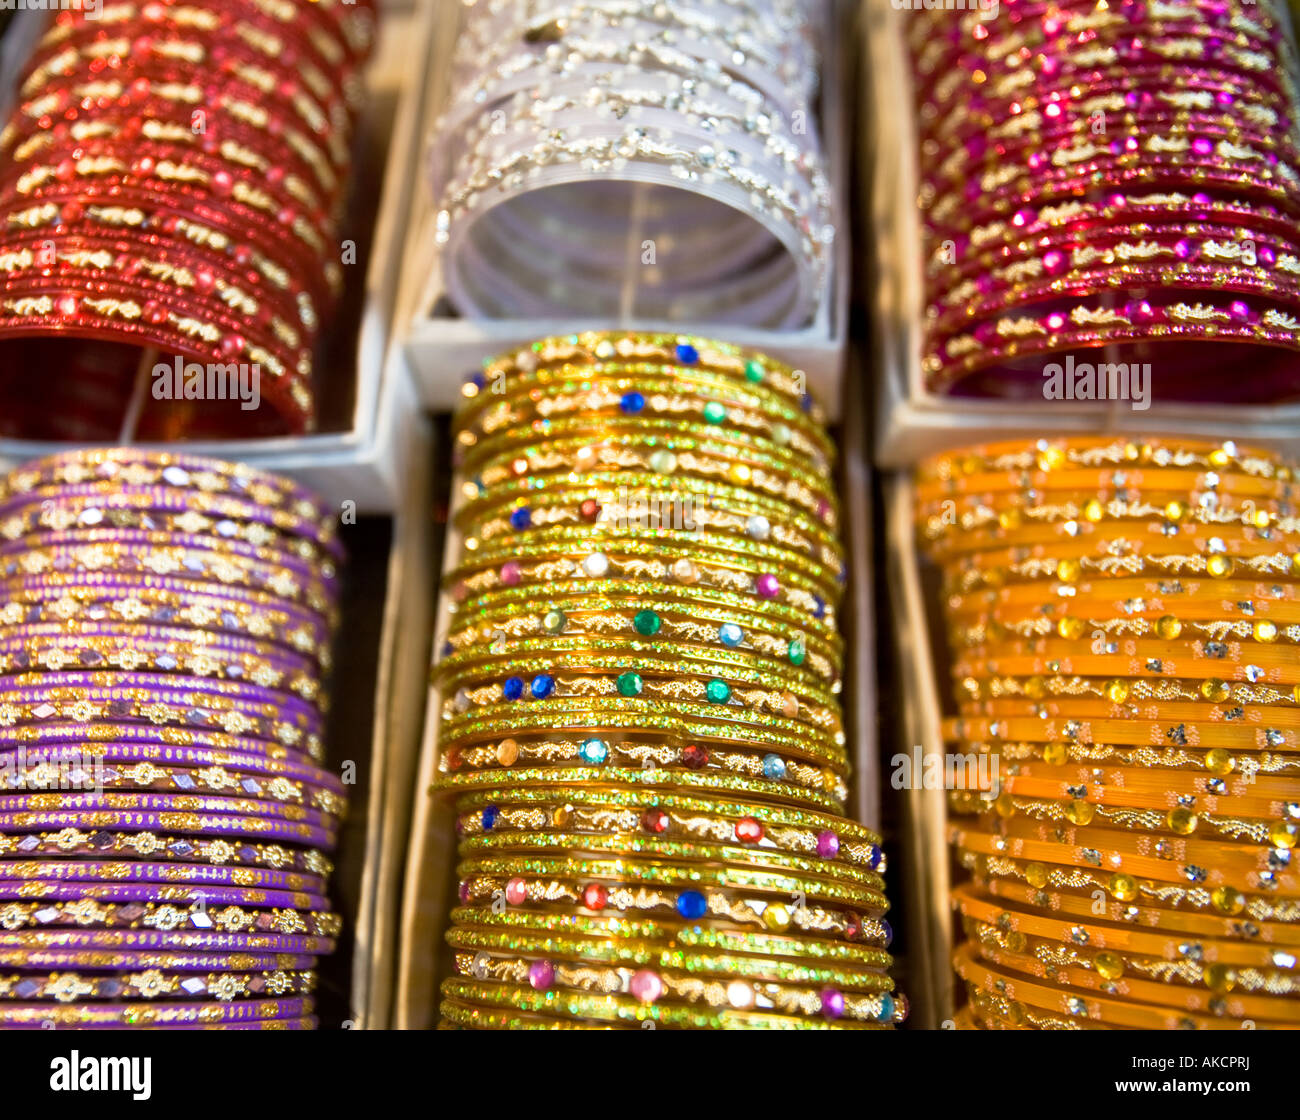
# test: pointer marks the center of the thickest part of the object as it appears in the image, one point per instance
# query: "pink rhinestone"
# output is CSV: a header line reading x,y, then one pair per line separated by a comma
x,y
646,986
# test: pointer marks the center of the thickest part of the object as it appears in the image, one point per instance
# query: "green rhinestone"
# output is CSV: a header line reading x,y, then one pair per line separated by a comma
x,y
717,691
714,412
797,651
553,621
754,371
647,623
629,684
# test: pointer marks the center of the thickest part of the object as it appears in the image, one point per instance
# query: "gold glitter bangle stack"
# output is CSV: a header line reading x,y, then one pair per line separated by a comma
x,y
1122,636
640,721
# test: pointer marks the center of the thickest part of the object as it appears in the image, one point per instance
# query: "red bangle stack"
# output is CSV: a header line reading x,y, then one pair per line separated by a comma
x,y
1099,176
172,180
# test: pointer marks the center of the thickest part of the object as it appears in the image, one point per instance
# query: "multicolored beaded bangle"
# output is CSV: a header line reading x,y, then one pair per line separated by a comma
x,y
715,904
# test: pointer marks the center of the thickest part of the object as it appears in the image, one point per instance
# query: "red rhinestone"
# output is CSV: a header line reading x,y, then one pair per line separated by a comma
x,y
654,820
590,509
852,927
453,758
748,830
595,897
694,758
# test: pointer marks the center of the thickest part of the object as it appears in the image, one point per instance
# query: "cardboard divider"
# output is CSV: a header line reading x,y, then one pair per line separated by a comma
x,y
923,888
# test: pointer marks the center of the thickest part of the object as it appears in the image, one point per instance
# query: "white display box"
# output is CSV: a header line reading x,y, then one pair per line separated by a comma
x,y
367,457
443,349
912,423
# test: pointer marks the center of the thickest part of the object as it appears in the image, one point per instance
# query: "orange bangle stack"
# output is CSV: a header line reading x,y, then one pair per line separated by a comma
x,y
1123,620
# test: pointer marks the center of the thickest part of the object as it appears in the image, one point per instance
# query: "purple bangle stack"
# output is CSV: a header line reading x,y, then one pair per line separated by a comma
x,y
165,820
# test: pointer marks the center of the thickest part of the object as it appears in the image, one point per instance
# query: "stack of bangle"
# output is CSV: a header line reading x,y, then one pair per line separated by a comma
x,y
1109,176
630,157
165,817
172,179
640,721
1123,616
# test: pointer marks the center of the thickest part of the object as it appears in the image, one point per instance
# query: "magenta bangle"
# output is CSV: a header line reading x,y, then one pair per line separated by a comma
x,y
1056,249
1182,278
173,874
1015,346
1084,215
1034,149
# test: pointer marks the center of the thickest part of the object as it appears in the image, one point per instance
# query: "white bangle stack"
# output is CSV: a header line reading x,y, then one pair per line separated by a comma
x,y
627,158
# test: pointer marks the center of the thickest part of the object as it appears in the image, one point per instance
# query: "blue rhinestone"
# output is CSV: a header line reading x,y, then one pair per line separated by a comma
x,y
807,403
687,354
477,380
819,607
888,935
886,1007
729,634
543,685
490,815
513,688
632,402
521,519
874,856
593,751
773,767
691,905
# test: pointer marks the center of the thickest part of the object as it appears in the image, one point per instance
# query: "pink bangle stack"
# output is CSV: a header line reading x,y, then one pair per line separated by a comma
x,y
1117,184
165,817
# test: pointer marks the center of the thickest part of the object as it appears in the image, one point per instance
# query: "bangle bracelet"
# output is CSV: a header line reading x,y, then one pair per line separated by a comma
x,y
1198,862
795,829
661,937
1098,975
994,874
139,871
1119,940
104,842
556,753
102,959
827,799
719,904
1113,1012
1079,906
103,1016
165,940
654,986
70,987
